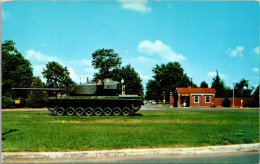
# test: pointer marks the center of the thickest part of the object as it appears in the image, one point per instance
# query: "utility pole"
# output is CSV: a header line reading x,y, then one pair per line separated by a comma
x,y
233,94
191,82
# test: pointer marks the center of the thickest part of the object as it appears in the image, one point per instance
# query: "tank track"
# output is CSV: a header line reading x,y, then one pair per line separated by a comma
x,y
94,111
94,108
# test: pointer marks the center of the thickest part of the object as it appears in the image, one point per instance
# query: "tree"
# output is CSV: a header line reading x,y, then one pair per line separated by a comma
x,y
109,64
37,98
132,80
57,76
16,70
150,91
254,102
255,97
242,90
167,77
218,85
204,84
105,60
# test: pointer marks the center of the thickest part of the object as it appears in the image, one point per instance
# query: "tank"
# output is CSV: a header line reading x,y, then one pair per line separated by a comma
x,y
105,97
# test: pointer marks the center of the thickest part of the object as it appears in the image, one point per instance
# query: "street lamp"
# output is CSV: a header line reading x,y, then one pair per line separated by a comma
x,y
123,86
163,98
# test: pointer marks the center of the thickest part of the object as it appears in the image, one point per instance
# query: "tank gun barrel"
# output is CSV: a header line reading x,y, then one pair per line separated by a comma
x,y
41,89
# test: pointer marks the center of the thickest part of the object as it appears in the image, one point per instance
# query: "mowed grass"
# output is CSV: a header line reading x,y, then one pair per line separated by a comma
x,y
41,131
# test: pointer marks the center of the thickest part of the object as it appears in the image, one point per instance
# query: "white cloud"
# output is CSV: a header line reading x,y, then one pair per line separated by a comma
x,y
255,69
74,76
145,78
214,74
137,5
36,55
158,47
235,52
91,70
256,50
37,71
145,59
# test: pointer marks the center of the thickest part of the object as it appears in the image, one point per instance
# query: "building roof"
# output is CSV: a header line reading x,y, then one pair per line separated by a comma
x,y
195,90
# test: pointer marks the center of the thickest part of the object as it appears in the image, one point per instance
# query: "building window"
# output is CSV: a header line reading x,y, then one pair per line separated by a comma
x,y
207,100
196,99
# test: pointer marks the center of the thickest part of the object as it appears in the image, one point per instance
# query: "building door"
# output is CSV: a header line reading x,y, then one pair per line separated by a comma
x,y
185,100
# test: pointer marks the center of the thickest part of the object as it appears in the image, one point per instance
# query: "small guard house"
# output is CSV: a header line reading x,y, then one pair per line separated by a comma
x,y
195,97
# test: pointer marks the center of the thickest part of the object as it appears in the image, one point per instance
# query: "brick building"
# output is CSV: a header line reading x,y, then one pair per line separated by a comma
x,y
195,97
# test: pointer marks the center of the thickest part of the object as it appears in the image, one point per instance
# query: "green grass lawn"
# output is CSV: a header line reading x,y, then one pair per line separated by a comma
x,y
41,131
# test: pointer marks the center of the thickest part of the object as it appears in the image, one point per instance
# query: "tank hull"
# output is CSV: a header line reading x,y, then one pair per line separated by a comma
x,y
95,105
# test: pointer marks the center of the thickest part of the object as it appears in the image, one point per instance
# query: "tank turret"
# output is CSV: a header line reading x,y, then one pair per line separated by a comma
x,y
107,87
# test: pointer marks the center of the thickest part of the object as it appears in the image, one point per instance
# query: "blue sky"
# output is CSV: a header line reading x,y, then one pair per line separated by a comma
x,y
203,36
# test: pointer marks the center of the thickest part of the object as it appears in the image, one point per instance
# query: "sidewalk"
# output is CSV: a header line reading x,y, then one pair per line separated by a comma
x,y
82,155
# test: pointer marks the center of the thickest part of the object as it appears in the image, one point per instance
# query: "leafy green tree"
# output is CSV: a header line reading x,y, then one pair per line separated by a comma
x,y
255,97
242,89
218,85
57,76
7,102
167,77
109,64
204,84
150,91
132,80
16,70
105,60
228,92
37,98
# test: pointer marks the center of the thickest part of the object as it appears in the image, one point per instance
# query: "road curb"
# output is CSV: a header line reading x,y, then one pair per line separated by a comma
x,y
129,152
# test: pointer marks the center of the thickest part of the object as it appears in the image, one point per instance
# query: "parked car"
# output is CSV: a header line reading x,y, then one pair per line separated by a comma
x,y
153,102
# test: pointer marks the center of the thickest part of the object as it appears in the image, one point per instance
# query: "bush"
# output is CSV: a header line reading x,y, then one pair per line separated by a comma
x,y
7,102
226,102
252,103
37,99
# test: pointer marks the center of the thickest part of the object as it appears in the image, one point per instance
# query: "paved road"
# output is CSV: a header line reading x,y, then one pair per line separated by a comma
x,y
246,158
160,107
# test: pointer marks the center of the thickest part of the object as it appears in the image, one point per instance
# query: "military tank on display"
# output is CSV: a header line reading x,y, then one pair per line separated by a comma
x,y
96,98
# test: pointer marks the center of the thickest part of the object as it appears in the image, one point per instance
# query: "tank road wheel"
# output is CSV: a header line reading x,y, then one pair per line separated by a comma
x,y
52,110
89,111
116,111
98,111
107,111
126,111
60,111
70,111
135,107
79,111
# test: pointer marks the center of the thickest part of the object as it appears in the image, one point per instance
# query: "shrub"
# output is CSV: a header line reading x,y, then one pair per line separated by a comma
x,y
37,98
226,102
7,102
252,103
